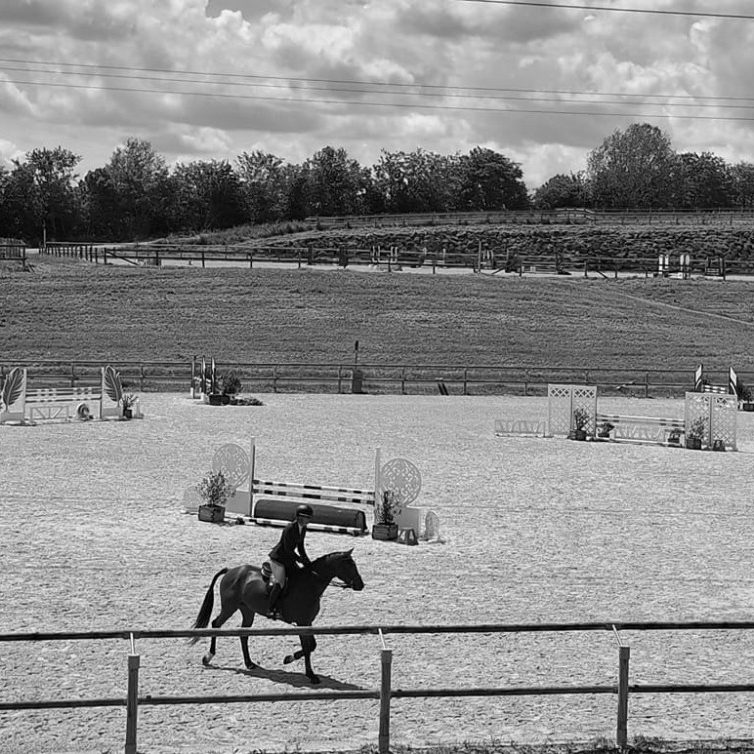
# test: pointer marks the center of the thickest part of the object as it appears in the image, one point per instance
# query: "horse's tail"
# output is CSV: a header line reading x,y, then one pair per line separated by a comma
x,y
206,609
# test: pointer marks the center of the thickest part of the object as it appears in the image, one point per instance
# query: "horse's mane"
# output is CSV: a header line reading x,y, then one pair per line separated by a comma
x,y
327,557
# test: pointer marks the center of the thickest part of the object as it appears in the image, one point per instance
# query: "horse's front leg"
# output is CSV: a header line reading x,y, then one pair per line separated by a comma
x,y
308,645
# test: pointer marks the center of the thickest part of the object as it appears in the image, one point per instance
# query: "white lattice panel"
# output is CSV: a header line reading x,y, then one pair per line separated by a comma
x,y
716,414
559,409
723,418
564,400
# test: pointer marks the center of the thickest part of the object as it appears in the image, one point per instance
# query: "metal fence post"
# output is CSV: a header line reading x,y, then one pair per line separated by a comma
x,y
624,654
384,736
132,701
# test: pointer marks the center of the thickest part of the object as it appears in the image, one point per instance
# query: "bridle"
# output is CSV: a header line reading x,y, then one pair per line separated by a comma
x,y
340,583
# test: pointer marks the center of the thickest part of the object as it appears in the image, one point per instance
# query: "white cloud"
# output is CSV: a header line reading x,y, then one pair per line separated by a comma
x,y
514,54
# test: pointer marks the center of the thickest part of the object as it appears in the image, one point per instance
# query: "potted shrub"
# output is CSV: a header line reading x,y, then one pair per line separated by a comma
x,y
747,404
384,526
229,385
215,490
127,401
604,429
580,424
695,434
674,437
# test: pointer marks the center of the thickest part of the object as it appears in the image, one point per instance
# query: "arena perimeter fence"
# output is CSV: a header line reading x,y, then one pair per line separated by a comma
x,y
622,688
391,379
494,258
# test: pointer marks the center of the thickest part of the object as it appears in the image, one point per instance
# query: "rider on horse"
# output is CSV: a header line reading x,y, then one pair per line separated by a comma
x,y
287,553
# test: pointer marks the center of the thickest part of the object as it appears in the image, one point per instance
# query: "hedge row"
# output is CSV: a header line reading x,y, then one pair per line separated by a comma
x,y
570,241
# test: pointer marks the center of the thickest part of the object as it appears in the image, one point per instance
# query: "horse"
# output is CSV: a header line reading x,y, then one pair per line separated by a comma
x,y
244,588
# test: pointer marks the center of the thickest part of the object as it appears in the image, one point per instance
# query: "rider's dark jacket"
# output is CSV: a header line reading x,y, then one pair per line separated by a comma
x,y
290,548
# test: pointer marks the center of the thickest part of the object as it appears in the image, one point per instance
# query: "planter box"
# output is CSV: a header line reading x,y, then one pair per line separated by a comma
x,y
218,399
385,531
578,434
214,514
747,406
694,443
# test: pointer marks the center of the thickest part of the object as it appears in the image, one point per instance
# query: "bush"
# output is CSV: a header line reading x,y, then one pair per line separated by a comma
x,y
215,489
230,383
384,510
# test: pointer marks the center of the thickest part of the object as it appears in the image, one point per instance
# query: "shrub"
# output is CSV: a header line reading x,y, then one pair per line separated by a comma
x,y
215,489
385,509
230,383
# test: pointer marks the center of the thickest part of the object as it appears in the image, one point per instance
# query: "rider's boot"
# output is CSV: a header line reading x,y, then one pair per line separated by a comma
x,y
274,594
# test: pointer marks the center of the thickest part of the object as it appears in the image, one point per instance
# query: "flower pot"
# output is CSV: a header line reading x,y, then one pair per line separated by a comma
x,y
578,434
719,446
694,443
218,399
747,406
214,514
385,531
128,413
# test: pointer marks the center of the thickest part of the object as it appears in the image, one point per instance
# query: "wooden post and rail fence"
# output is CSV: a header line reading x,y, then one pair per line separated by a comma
x,y
389,379
491,256
621,689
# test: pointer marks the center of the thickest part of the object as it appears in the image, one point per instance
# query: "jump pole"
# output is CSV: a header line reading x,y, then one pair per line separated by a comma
x,y
252,467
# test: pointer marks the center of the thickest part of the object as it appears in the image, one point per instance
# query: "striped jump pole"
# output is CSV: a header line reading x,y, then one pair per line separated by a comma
x,y
274,503
301,490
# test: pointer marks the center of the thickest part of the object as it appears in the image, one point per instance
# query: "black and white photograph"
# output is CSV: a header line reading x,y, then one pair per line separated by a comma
x,y
376,377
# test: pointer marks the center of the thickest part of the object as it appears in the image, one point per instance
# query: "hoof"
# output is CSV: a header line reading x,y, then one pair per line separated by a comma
x,y
314,679
207,659
288,659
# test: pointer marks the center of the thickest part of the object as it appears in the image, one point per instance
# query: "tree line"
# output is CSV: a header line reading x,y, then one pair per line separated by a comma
x,y
136,195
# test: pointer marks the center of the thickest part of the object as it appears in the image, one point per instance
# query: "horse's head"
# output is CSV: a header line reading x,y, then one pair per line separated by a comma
x,y
340,565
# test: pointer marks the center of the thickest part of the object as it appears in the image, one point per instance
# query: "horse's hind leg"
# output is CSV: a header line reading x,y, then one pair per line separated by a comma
x,y
217,623
248,620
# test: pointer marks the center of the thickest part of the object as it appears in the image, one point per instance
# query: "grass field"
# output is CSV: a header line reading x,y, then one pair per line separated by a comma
x,y
65,309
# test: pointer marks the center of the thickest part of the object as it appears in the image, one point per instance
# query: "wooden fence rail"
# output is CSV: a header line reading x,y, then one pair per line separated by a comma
x,y
487,256
404,379
621,689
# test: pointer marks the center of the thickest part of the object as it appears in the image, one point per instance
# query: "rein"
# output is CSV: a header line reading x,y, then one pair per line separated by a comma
x,y
330,582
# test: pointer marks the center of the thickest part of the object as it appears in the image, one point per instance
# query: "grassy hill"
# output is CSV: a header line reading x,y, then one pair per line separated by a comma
x,y
66,309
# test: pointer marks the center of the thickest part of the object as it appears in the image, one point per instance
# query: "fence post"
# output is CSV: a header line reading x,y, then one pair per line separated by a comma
x,y
624,654
384,735
132,701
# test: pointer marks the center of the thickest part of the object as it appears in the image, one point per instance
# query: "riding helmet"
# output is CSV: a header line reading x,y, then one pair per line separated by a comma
x,y
305,510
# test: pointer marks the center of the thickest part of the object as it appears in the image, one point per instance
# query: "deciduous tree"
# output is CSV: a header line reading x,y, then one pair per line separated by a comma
x,y
632,168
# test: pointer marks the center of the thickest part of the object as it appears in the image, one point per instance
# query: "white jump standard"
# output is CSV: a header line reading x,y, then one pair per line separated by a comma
x,y
23,405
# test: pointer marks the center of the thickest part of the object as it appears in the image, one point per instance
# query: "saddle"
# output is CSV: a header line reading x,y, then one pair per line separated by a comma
x,y
267,578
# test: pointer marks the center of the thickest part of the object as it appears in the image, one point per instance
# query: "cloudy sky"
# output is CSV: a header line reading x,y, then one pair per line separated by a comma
x,y
541,82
